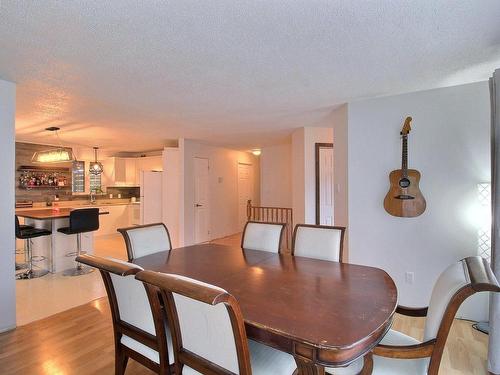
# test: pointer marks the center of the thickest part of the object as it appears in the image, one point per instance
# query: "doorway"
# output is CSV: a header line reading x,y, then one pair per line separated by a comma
x,y
245,191
324,184
201,200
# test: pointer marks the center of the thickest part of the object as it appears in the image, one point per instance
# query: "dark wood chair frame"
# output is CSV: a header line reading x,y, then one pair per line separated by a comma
x,y
123,353
481,279
342,234
283,225
128,243
161,286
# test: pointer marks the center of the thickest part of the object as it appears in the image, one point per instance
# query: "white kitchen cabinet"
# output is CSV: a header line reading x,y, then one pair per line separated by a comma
x,y
118,217
130,175
147,163
120,172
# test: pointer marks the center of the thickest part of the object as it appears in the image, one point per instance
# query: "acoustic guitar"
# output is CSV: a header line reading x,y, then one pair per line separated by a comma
x,y
404,198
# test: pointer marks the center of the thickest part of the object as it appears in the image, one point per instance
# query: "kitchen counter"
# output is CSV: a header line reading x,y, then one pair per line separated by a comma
x,y
52,251
79,204
51,213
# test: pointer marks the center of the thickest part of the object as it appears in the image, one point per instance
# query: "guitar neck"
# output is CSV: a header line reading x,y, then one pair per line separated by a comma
x,y
404,156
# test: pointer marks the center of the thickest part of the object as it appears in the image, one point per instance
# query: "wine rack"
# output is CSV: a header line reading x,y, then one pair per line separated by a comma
x,y
31,177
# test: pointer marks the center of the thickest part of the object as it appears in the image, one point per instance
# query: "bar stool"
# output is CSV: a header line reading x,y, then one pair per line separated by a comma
x,y
80,221
27,233
20,266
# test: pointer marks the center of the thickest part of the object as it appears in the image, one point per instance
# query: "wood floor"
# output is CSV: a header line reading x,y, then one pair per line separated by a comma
x,y
80,341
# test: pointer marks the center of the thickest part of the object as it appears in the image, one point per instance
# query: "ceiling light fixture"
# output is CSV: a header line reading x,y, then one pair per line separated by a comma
x,y
95,167
256,151
55,155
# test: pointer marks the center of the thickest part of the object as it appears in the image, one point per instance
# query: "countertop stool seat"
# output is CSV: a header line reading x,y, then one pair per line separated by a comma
x,y
26,232
80,221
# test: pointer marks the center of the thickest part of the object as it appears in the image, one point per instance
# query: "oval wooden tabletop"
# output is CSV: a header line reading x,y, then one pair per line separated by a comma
x,y
331,311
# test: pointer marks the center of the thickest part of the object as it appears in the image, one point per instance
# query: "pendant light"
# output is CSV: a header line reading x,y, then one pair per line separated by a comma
x,y
95,167
55,155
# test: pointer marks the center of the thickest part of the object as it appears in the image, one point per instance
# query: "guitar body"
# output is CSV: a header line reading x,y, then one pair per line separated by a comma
x,y
404,198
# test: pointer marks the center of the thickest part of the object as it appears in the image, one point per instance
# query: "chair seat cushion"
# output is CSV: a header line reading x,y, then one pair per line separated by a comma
x,y
146,351
33,233
264,360
388,366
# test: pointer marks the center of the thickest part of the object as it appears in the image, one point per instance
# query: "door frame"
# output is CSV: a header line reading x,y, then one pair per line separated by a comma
x,y
238,184
317,148
209,235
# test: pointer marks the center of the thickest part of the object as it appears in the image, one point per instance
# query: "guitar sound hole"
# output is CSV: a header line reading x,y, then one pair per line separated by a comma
x,y
404,182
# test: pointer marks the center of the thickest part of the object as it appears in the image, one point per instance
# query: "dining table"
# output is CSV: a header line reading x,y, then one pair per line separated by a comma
x,y
325,314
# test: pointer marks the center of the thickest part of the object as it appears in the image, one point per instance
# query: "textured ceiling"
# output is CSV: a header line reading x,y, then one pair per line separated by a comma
x,y
130,75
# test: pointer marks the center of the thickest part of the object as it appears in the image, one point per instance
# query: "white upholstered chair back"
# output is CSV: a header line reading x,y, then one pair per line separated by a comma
x,y
133,302
207,326
146,239
449,282
262,236
206,330
319,242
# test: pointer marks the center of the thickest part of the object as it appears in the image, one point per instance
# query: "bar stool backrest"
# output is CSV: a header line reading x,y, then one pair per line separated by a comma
x,y
18,228
84,220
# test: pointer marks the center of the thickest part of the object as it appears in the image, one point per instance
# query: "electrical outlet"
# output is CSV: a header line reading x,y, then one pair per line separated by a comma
x,y
409,277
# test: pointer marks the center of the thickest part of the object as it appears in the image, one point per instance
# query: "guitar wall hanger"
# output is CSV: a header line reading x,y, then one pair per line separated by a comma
x,y
404,198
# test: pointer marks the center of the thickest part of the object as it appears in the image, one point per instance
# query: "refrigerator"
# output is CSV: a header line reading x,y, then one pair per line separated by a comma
x,y
151,197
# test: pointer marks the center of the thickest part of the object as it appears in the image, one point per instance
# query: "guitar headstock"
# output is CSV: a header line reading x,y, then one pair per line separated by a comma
x,y
406,126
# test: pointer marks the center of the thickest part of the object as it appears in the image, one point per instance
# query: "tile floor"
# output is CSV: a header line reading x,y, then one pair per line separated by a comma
x,y
53,293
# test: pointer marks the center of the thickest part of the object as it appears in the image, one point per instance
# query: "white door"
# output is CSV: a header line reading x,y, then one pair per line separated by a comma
x,y
326,186
201,201
245,191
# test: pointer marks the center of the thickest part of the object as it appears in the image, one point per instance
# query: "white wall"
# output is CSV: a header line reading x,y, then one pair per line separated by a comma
x,y
7,244
449,145
304,171
338,119
223,187
312,136
298,179
276,176
171,192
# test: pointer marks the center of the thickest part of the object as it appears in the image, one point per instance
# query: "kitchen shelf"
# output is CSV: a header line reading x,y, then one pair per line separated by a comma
x,y
34,168
44,187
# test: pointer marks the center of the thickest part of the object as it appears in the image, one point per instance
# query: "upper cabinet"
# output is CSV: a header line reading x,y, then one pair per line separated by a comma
x,y
147,163
127,171
119,172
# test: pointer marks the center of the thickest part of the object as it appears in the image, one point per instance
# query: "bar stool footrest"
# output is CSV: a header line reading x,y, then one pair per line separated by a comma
x,y
78,271
31,274
21,266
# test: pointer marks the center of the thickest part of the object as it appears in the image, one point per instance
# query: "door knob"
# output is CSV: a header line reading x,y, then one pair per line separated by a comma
x,y
198,205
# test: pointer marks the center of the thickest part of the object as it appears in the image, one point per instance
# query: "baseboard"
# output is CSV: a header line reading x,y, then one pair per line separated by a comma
x,y
7,329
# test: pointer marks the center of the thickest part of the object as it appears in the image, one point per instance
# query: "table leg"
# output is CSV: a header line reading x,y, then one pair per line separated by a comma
x,y
305,367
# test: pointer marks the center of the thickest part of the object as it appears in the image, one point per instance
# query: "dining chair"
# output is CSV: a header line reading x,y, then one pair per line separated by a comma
x,y
398,353
142,240
208,331
137,333
318,241
262,236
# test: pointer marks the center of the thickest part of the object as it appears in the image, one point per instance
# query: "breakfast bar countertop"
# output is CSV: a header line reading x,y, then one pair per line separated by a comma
x,y
51,213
